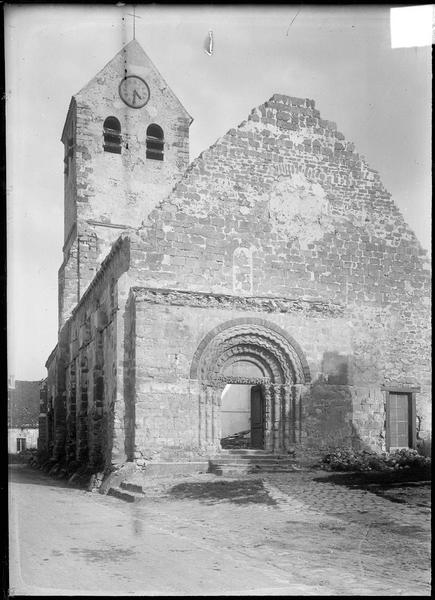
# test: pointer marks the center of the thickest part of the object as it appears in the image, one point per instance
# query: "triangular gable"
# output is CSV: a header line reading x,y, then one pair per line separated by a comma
x,y
133,58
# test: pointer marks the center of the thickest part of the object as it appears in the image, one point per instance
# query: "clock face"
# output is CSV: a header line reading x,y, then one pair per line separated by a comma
x,y
134,91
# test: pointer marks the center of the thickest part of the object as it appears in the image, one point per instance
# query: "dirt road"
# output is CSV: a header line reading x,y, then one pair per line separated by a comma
x,y
254,537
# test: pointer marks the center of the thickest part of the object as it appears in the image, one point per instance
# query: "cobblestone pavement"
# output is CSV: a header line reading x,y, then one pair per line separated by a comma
x,y
391,540
274,534
338,540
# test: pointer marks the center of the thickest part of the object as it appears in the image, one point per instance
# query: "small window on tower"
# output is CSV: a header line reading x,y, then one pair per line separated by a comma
x,y
155,142
112,135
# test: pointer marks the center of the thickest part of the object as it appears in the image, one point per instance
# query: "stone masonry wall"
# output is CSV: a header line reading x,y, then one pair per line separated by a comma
x,y
284,206
312,218
69,141
338,408
279,217
55,423
87,368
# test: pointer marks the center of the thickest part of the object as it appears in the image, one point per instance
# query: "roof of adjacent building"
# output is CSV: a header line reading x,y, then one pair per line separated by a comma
x,y
23,404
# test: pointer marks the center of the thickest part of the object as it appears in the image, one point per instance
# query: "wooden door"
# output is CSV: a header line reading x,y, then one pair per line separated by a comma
x,y
257,418
399,421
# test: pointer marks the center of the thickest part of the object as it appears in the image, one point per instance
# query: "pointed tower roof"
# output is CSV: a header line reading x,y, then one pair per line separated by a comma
x,y
133,60
130,60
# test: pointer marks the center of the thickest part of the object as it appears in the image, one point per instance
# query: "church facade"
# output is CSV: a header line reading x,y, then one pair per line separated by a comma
x,y
270,291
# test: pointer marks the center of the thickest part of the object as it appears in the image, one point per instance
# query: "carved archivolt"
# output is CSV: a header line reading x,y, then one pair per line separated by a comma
x,y
221,381
273,363
277,355
249,358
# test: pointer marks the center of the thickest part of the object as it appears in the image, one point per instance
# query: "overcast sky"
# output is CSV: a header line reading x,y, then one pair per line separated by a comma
x,y
340,57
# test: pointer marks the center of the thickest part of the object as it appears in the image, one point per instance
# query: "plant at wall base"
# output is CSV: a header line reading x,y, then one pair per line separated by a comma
x,y
424,447
347,459
407,458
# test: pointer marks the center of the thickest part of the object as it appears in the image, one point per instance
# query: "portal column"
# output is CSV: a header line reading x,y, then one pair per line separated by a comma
x,y
209,423
288,416
297,413
276,396
216,421
268,441
201,415
208,415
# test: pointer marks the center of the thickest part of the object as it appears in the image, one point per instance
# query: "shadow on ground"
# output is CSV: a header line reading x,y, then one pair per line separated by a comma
x,y
27,475
403,487
236,492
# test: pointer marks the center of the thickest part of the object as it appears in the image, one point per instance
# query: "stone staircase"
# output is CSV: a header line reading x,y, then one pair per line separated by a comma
x,y
246,461
230,462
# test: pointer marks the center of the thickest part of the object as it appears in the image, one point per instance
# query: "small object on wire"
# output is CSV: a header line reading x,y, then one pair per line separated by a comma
x,y
209,44
293,20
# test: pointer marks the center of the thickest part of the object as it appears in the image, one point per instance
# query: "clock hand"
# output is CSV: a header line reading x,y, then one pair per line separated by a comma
x,y
134,96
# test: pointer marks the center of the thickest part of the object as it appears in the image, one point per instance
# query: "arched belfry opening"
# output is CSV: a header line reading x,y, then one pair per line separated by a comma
x,y
250,375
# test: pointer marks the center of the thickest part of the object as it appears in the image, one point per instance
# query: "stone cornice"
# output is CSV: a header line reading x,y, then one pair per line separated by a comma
x,y
226,301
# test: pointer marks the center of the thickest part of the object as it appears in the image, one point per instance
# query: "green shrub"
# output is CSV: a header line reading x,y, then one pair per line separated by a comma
x,y
347,459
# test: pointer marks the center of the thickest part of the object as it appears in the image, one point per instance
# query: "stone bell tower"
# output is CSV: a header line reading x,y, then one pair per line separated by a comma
x,y
126,140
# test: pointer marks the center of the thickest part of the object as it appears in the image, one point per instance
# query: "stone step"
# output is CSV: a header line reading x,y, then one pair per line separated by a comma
x,y
252,452
248,471
242,451
230,471
249,454
125,495
253,465
259,456
245,463
131,487
252,460
246,468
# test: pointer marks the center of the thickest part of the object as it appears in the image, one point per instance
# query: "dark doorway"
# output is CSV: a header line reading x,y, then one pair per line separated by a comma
x,y
257,418
242,417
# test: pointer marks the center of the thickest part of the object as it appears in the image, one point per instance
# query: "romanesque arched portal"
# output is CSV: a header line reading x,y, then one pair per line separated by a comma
x,y
256,352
